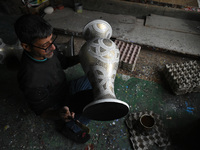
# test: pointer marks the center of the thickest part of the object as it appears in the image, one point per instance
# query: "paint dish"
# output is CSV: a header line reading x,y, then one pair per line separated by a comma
x,y
147,121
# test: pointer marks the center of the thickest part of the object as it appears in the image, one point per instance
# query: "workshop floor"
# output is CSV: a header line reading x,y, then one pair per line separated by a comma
x,y
144,89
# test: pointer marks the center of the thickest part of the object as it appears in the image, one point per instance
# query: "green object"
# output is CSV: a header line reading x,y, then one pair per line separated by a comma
x,y
78,7
74,72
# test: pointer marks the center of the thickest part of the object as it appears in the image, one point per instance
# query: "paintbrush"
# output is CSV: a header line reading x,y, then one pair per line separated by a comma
x,y
82,126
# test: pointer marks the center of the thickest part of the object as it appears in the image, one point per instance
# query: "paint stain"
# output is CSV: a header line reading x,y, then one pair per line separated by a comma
x,y
189,109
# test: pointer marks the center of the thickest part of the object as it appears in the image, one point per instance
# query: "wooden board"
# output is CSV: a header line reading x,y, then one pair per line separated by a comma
x,y
173,24
180,2
177,42
191,3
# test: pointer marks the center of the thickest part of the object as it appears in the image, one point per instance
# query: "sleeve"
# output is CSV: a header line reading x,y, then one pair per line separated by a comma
x,y
38,99
67,61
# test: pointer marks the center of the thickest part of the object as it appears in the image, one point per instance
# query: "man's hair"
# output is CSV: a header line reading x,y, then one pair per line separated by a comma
x,y
31,27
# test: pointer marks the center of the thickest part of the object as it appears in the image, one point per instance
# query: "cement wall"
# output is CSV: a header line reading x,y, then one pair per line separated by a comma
x,y
110,6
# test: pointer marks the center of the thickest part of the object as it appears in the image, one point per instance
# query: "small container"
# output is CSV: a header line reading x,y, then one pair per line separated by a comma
x,y
78,7
144,125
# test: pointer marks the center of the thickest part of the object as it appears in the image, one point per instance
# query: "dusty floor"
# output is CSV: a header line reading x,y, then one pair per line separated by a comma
x,y
143,89
150,62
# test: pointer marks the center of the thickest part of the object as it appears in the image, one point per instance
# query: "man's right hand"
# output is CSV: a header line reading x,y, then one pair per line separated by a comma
x,y
65,114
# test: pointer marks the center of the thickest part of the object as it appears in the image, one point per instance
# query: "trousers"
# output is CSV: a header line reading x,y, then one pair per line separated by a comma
x,y
80,95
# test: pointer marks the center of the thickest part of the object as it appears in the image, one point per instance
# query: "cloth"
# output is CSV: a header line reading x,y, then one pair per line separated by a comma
x,y
44,83
82,89
45,86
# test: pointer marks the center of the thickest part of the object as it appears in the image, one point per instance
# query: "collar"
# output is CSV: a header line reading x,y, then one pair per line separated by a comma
x,y
34,58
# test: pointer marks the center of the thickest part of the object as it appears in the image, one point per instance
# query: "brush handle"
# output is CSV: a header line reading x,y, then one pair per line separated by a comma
x,y
82,126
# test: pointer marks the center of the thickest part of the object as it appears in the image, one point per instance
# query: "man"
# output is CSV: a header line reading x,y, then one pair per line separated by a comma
x,y
43,81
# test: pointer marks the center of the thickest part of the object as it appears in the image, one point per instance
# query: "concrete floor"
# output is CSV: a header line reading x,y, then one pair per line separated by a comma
x,y
143,89
175,35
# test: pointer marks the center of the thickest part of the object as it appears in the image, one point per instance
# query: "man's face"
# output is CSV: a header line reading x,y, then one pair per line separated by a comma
x,y
43,48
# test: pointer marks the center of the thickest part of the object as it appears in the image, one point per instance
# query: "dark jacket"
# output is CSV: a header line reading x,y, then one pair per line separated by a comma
x,y
44,83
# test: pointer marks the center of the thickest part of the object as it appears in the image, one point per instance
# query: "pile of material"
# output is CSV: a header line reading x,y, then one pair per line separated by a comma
x,y
183,78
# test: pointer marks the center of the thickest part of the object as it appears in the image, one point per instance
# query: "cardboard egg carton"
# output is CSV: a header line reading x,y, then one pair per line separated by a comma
x,y
158,136
183,78
129,53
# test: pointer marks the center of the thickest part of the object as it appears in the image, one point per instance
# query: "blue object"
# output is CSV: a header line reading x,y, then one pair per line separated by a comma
x,y
78,85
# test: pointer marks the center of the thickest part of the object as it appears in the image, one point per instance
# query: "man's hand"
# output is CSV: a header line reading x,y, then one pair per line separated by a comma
x,y
65,114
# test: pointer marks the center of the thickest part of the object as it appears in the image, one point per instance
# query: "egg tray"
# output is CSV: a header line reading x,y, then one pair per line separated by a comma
x,y
158,137
129,53
183,77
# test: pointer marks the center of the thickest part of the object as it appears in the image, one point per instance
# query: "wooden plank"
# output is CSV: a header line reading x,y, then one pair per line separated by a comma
x,y
191,3
180,2
177,42
198,1
173,24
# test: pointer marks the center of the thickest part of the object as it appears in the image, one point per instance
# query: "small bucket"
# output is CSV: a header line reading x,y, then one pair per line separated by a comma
x,y
78,7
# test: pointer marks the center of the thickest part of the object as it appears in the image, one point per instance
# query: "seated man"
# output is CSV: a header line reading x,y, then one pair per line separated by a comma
x,y
43,81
